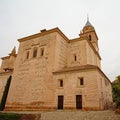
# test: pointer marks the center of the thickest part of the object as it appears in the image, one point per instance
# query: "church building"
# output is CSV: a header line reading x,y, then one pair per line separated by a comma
x,y
52,72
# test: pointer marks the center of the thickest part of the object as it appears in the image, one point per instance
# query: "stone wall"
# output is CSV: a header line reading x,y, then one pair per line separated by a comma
x,y
61,51
105,91
90,90
30,83
76,49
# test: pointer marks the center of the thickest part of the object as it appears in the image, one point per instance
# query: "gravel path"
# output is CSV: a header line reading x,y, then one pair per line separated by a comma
x,y
80,115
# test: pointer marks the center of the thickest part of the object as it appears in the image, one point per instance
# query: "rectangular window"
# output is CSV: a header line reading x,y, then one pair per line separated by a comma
x,y
81,81
75,57
42,52
34,52
27,54
60,83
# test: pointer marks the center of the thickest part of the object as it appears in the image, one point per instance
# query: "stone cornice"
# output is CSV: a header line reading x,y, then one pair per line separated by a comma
x,y
78,39
81,68
76,68
44,33
6,57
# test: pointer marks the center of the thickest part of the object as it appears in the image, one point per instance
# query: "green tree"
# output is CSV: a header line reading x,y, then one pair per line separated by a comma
x,y
5,93
116,91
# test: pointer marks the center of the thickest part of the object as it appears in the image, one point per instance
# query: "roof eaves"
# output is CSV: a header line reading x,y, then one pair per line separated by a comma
x,y
44,33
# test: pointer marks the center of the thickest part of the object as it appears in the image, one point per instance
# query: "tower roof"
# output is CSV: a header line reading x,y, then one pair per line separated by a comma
x,y
88,26
88,23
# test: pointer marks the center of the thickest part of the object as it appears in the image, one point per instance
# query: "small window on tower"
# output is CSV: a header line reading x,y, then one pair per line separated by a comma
x,y
81,81
90,37
60,83
75,57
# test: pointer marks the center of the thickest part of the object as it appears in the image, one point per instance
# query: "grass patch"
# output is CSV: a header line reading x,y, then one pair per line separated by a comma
x,y
9,116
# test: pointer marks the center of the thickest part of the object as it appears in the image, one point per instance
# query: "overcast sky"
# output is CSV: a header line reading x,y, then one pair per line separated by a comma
x,y
21,18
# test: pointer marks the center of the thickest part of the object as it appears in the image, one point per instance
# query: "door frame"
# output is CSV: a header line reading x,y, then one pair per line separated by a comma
x,y
78,101
60,103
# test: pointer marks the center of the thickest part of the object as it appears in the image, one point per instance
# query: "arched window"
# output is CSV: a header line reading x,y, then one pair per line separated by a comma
x,y
90,38
34,52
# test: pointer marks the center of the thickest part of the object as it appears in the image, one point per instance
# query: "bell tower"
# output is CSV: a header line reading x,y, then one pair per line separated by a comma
x,y
89,32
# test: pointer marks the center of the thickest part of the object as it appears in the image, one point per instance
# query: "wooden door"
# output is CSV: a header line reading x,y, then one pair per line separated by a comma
x,y
78,101
60,102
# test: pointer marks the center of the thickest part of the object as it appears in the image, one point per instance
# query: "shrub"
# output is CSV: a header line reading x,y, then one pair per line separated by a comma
x,y
9,116
116,91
